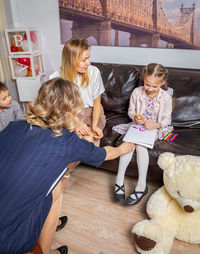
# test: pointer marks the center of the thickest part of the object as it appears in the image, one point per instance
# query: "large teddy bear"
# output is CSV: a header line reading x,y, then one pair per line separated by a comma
x,y
174,209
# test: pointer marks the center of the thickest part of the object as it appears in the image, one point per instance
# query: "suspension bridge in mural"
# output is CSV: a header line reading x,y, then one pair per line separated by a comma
x,y
145,20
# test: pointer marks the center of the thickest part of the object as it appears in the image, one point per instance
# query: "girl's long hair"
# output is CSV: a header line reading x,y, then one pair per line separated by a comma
x,y
56,106
71,54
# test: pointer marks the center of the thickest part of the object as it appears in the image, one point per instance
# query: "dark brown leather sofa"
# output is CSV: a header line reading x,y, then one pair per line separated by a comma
x,y
120,80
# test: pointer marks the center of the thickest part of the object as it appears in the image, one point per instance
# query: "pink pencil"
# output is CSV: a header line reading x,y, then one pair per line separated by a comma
x,y
173,137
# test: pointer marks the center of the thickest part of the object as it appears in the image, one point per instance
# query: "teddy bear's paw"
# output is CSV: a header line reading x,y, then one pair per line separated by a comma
x,y
147,235
152,237
144,243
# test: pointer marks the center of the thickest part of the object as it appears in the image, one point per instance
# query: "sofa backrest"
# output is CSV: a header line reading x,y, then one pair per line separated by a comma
x,y
186,85
120,80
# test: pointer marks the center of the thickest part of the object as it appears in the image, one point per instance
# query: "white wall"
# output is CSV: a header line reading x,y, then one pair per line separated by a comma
x,y
144,56
44,15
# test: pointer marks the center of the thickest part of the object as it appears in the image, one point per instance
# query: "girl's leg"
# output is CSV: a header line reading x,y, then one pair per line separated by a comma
x,y
49,227
124,161
142,157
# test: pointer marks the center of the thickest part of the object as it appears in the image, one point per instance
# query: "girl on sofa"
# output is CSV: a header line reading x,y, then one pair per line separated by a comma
x,y
154,105
77,69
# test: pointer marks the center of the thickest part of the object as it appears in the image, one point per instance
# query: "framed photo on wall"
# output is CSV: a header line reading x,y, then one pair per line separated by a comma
x,y
132,23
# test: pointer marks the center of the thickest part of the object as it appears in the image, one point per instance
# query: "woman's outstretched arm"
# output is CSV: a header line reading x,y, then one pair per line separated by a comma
x,y
114,152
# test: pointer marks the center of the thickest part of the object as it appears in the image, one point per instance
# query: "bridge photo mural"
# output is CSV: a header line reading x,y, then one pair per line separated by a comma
x,y
132,23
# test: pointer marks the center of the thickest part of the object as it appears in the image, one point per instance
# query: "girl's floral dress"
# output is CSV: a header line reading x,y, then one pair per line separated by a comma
x,y
149,115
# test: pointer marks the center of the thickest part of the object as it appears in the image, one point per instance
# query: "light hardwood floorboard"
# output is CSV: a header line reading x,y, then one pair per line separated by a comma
x,y
96,223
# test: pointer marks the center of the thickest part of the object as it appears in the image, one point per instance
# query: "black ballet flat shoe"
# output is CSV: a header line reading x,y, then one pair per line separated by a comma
x,y
131,201
63,249
120,197
64,220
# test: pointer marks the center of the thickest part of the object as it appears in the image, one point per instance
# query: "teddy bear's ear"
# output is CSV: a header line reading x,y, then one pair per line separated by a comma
x,y
165,159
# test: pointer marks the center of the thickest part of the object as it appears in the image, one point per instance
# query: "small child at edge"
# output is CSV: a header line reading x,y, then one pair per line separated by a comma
x,y
9,109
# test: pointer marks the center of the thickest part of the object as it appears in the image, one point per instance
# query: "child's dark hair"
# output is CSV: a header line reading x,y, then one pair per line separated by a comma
x,y
3,87
157,70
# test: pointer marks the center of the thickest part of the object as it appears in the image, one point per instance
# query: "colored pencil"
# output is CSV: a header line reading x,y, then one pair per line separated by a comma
x,y
172,138
169,136
140,116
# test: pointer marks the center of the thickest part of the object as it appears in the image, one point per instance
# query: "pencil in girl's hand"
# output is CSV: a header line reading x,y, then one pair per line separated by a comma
x,y
140,116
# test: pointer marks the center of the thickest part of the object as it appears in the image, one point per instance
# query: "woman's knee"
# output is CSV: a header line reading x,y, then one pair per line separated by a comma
x,y
72,165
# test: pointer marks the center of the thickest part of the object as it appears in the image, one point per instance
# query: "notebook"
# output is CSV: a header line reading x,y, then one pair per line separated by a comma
x,y
138,134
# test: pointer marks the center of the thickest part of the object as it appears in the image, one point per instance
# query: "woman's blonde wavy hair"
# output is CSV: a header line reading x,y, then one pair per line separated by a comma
x,y
56,106
71,54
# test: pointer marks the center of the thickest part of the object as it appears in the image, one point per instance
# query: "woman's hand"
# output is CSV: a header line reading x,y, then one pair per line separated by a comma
x,y
152,125
97,132
114,152
82,129
126,147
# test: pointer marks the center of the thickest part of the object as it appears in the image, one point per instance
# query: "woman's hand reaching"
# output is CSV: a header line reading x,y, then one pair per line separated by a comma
x,y
82,129
126,147
114,152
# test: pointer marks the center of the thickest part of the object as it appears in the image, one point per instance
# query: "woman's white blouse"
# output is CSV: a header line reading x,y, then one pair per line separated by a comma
x,y
93,90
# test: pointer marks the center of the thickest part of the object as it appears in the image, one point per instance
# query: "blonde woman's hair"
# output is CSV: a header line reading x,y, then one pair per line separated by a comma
x,y
157,70
71,54
56,106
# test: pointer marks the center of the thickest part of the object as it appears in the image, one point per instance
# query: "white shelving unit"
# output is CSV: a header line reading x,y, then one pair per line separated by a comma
x,y
26,61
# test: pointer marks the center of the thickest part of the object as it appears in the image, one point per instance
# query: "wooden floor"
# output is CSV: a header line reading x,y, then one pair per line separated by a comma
x,y
96,223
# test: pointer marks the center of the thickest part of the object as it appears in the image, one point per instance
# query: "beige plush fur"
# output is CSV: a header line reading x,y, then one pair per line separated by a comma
x,y
174,209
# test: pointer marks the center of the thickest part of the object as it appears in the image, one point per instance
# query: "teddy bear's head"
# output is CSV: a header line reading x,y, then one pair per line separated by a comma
x,y
182,179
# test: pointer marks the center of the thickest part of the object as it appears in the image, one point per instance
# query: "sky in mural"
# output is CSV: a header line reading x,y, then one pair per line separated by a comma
x,y
172,9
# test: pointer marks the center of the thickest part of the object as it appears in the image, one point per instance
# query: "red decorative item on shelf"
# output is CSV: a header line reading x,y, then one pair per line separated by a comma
x,y
29,74
24,61
14,48
32,35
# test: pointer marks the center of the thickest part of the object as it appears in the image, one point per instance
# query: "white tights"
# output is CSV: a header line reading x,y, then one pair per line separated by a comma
x,y
142,157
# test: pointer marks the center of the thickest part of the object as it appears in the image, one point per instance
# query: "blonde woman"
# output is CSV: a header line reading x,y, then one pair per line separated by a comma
x,y
76,68
33,157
